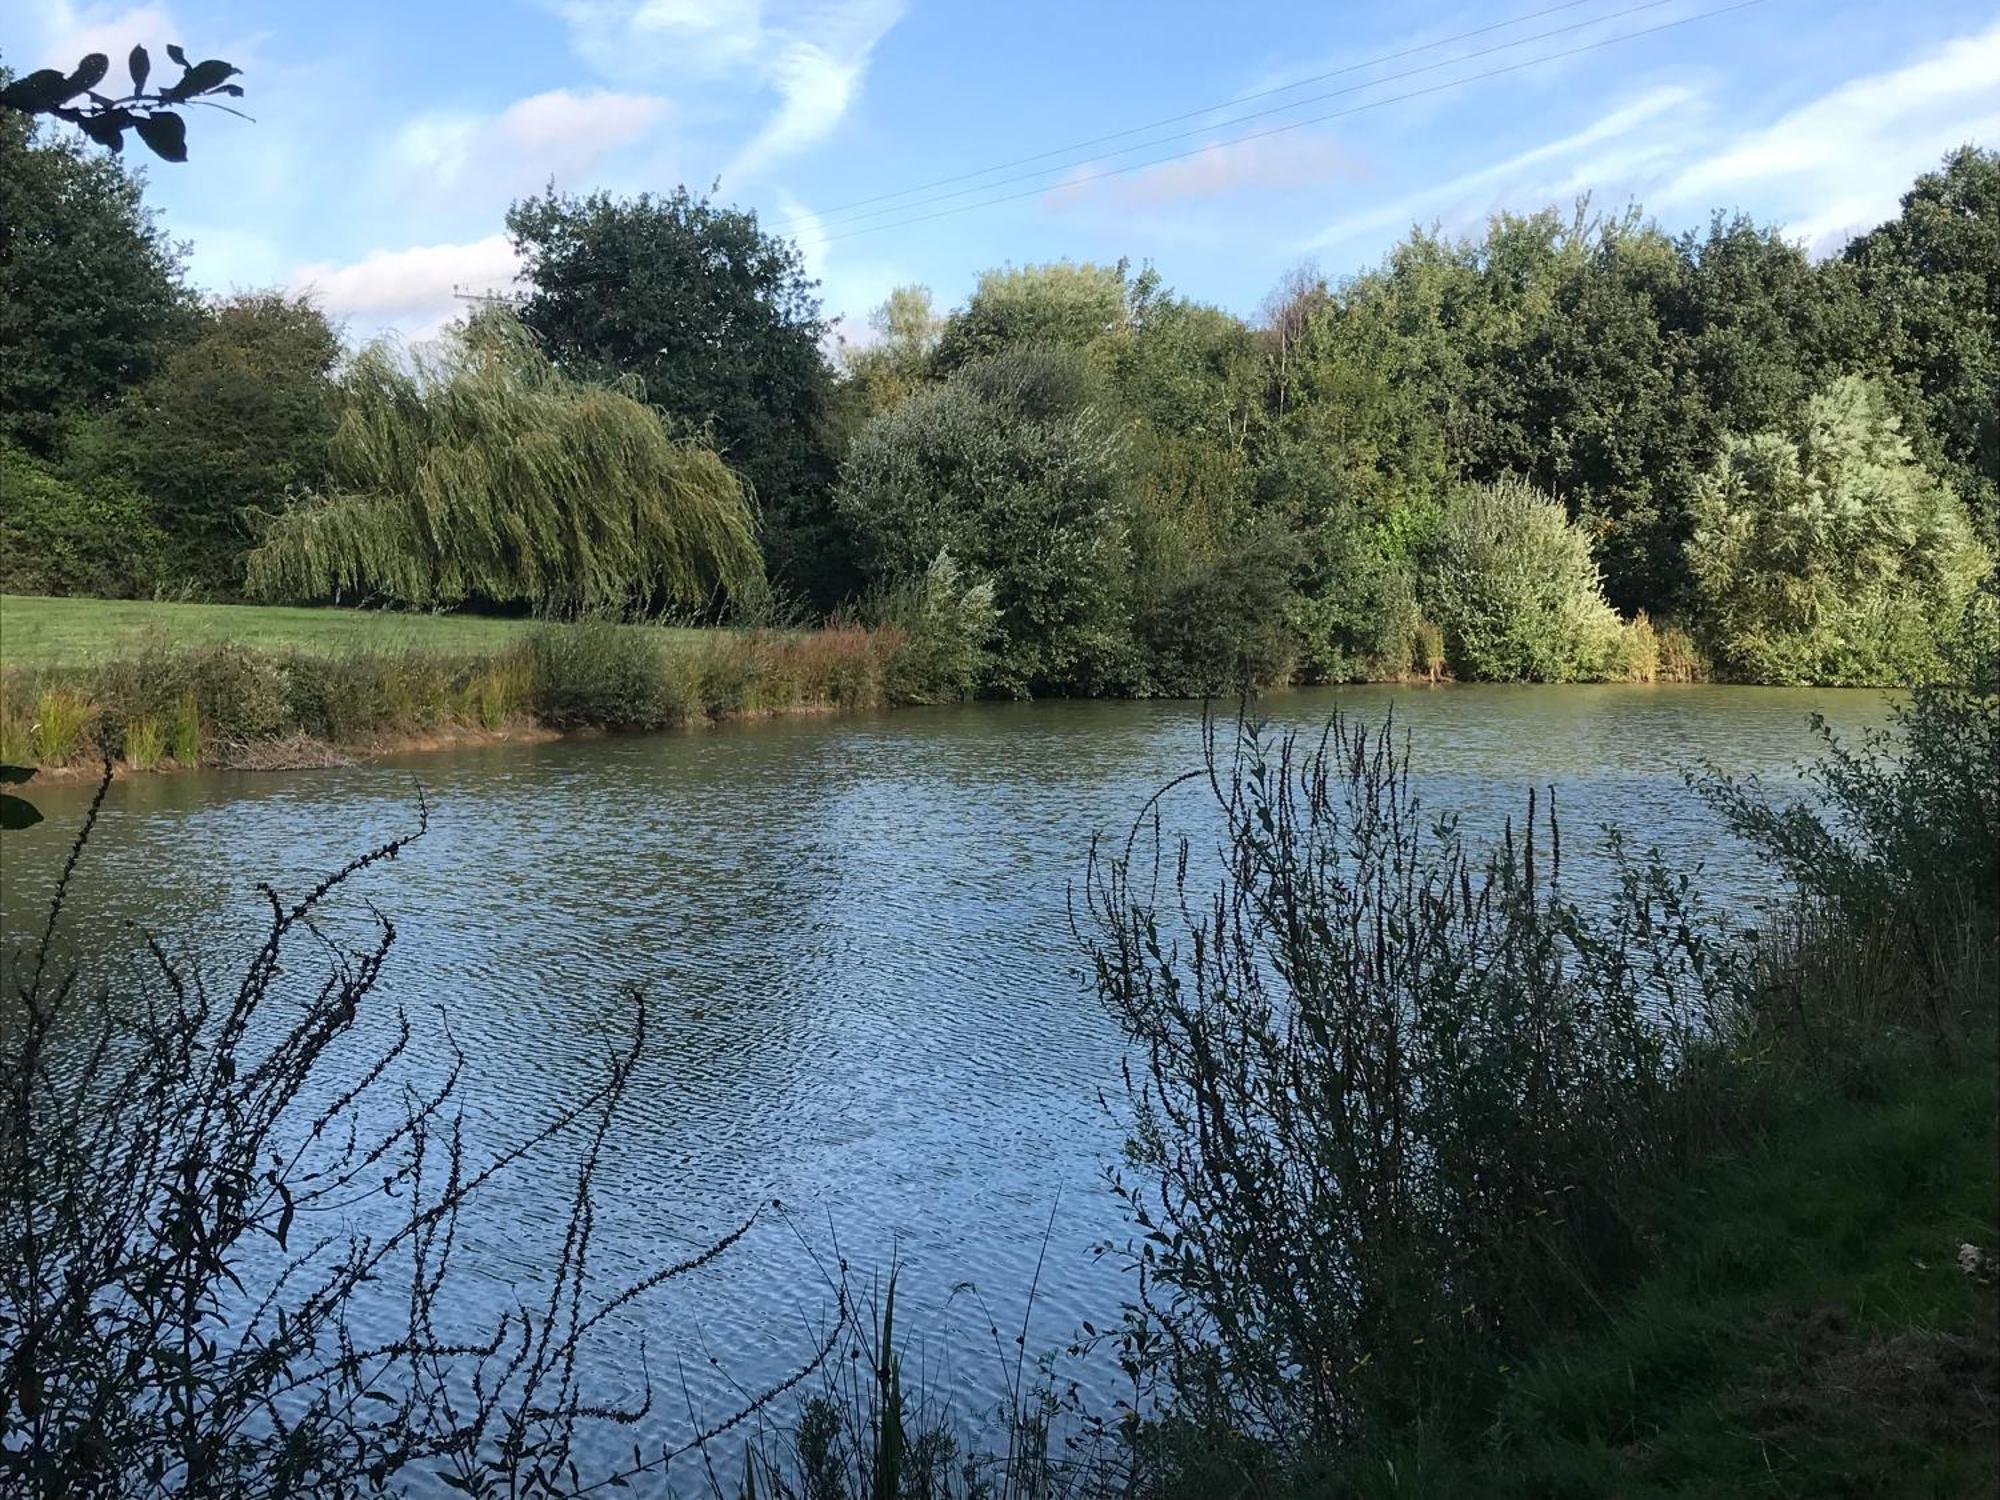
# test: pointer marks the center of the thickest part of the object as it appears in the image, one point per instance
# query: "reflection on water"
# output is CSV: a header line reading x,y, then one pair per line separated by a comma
x,y
867,1001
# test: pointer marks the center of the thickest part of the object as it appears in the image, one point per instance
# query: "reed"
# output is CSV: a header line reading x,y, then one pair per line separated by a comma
x,y
145,743
61,728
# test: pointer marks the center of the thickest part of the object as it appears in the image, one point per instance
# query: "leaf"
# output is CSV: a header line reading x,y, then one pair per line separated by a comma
x,y
141,65
42,89
89,73
106,129
174,51
18,812
16,774
166,133
233,90
202,77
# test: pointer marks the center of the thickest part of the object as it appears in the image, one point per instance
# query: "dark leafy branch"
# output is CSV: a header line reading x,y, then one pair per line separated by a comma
x,y
105,117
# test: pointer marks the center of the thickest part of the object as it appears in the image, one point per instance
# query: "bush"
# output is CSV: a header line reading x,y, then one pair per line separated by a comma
x,y
237,418
1011,468
1217,623
1512,584
597,674
64,536
1907,818
1356,615
1388,1094
1832,557
945,621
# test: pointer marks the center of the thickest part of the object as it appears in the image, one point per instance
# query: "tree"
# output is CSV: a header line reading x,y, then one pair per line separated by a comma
x,y
90,288
1013,468
882,373
1512,583
235,418
486,473
1931,277
73,534
720,322
1062,305
151,114
1831,556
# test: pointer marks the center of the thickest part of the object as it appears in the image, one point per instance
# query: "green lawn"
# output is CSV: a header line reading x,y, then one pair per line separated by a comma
x,y
1807,1331
41,632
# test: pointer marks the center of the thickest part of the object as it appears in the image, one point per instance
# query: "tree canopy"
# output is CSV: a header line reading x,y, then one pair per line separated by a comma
x,y
91,290
485,473
719,321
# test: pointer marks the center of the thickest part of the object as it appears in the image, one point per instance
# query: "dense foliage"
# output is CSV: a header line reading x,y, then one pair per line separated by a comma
x,y
484,473
719,321
1832,557
1511,583
90,287
1011,467
236,418
1161,497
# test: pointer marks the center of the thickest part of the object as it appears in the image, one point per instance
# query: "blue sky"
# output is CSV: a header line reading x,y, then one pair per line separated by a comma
x,y
390,137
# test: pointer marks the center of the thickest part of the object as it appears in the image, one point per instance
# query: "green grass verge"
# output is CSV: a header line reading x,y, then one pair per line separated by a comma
x,y
37,632
1806,1330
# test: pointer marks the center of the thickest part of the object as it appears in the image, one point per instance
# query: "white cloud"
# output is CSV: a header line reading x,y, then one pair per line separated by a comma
x,y
811,54
560,134
1851,153
1552,169
1217,170
70,31
409,290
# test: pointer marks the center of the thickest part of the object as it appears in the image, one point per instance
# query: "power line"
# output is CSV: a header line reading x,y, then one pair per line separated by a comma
x,y
1283,88
1257,135
1353,88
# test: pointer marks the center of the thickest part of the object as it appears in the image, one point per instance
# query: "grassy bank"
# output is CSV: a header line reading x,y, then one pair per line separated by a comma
x,y
211,685
42,632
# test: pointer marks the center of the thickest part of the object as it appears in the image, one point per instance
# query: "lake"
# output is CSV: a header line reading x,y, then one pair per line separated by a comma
x,y
867,1001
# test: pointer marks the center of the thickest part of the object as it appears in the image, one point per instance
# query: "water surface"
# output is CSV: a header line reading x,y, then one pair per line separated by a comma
x,y
866,997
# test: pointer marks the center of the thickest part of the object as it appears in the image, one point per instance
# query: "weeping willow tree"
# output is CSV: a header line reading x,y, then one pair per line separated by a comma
x,y
482,472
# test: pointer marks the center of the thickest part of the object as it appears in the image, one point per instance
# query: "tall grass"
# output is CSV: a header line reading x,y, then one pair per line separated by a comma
x,y
223,704
60,731
144,743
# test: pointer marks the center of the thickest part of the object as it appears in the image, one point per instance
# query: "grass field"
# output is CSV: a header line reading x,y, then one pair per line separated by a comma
x,y
42,632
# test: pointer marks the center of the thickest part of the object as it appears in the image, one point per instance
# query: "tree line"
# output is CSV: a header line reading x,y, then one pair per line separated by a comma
x,y
1577,446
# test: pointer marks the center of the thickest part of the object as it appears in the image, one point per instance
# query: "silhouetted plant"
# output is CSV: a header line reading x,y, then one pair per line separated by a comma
x,y
1387,1092
208,1195
105,118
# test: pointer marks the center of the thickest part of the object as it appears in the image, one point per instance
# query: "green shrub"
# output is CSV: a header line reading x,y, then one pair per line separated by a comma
x,y
1391,1092
1513,586
338,699
1833,556
1218,622
1906,819
61,729
727,675
1356,613
184,730
945,620
596,674
1427,649
144,743
1011,467
64,536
